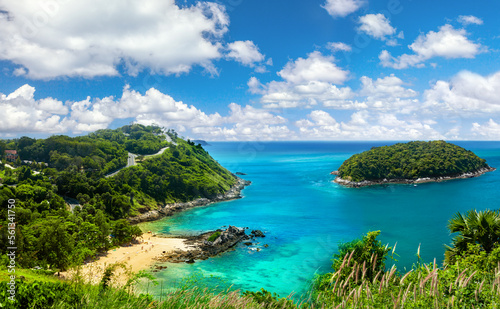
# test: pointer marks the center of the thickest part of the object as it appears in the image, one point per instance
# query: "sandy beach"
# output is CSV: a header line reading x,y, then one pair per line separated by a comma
x,y
136,257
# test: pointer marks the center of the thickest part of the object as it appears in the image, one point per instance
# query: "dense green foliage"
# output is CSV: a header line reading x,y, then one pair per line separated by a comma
x,y
481,228
183,172
51,234
410,161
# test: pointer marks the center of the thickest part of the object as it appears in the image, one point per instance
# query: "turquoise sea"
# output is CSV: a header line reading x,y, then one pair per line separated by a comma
x,y
305,215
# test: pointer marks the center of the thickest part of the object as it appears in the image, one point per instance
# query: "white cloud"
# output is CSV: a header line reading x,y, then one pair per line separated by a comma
x,y
305,85
469,19
61,38
388,94
315,67
306,82
467,94
487,131
448,43
27,115
245,52
247,124
342,8
364,126
287,95
377,26
255,86
23,114
250,115
339,46
389,86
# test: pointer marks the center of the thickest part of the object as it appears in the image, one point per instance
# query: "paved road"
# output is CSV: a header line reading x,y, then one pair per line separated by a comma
x,y
156,154
130,162
131,159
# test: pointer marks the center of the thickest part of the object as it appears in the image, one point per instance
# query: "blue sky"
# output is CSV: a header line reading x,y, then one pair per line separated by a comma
x,y
252,69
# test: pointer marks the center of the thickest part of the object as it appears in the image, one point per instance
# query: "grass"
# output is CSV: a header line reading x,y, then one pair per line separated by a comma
x,y
425,286
30,275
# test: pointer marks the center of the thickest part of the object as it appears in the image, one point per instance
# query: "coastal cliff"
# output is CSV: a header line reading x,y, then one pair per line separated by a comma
x,y
169,209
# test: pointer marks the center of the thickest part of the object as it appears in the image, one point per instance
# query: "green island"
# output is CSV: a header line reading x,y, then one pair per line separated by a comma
x,y
77,197
412,162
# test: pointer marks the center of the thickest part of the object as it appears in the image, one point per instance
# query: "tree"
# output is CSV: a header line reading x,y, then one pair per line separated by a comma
x,y
476,227
55,244
367,250
122,231
365,257
103,227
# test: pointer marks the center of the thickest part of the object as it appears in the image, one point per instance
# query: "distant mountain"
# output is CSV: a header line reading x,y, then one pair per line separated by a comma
x,y
201,142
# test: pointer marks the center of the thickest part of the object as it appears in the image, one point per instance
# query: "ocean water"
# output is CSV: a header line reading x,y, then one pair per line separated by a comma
x,y
305,215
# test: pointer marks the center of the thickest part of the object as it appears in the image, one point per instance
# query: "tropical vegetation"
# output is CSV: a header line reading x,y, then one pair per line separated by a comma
x,y
54,173
411,161
52,236
360,278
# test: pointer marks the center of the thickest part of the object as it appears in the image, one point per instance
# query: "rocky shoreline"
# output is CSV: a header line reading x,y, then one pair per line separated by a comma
x,y
353,184
202,248
169,209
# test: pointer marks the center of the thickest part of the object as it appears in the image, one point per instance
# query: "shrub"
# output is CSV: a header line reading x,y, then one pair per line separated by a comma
x,y
214,236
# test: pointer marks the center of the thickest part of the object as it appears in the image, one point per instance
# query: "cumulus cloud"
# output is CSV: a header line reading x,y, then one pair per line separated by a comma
x,y
23,114
60,38
448,42
468,94
48,115
487,131
315,67
339,46
312,81
306,82
247,124
469,19
342,8
364,126
388,93
245,52
377,26
384,87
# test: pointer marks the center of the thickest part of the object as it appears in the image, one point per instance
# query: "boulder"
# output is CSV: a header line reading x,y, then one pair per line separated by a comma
x,y
257,233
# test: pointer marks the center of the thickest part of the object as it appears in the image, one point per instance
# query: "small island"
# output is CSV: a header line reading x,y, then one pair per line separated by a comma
x,y
413,162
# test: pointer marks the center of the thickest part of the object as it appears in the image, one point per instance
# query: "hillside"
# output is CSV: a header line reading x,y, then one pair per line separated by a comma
x,y
74,169
411,161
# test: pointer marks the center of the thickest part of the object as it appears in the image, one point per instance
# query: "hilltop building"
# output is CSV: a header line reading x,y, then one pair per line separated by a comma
x,y
11,155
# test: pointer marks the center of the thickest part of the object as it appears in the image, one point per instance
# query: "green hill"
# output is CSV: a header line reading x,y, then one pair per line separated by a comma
x,y
411,160
77,169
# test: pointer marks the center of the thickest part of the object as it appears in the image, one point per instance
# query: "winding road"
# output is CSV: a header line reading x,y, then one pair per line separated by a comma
x,y
131,160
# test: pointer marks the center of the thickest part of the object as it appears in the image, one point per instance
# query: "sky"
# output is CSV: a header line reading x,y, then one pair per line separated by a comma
x,y
252,70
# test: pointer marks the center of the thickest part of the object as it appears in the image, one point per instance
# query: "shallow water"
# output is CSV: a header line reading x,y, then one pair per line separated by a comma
x,y
305,215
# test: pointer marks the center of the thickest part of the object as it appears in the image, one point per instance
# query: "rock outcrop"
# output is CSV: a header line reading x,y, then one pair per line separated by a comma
x,y
202,248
